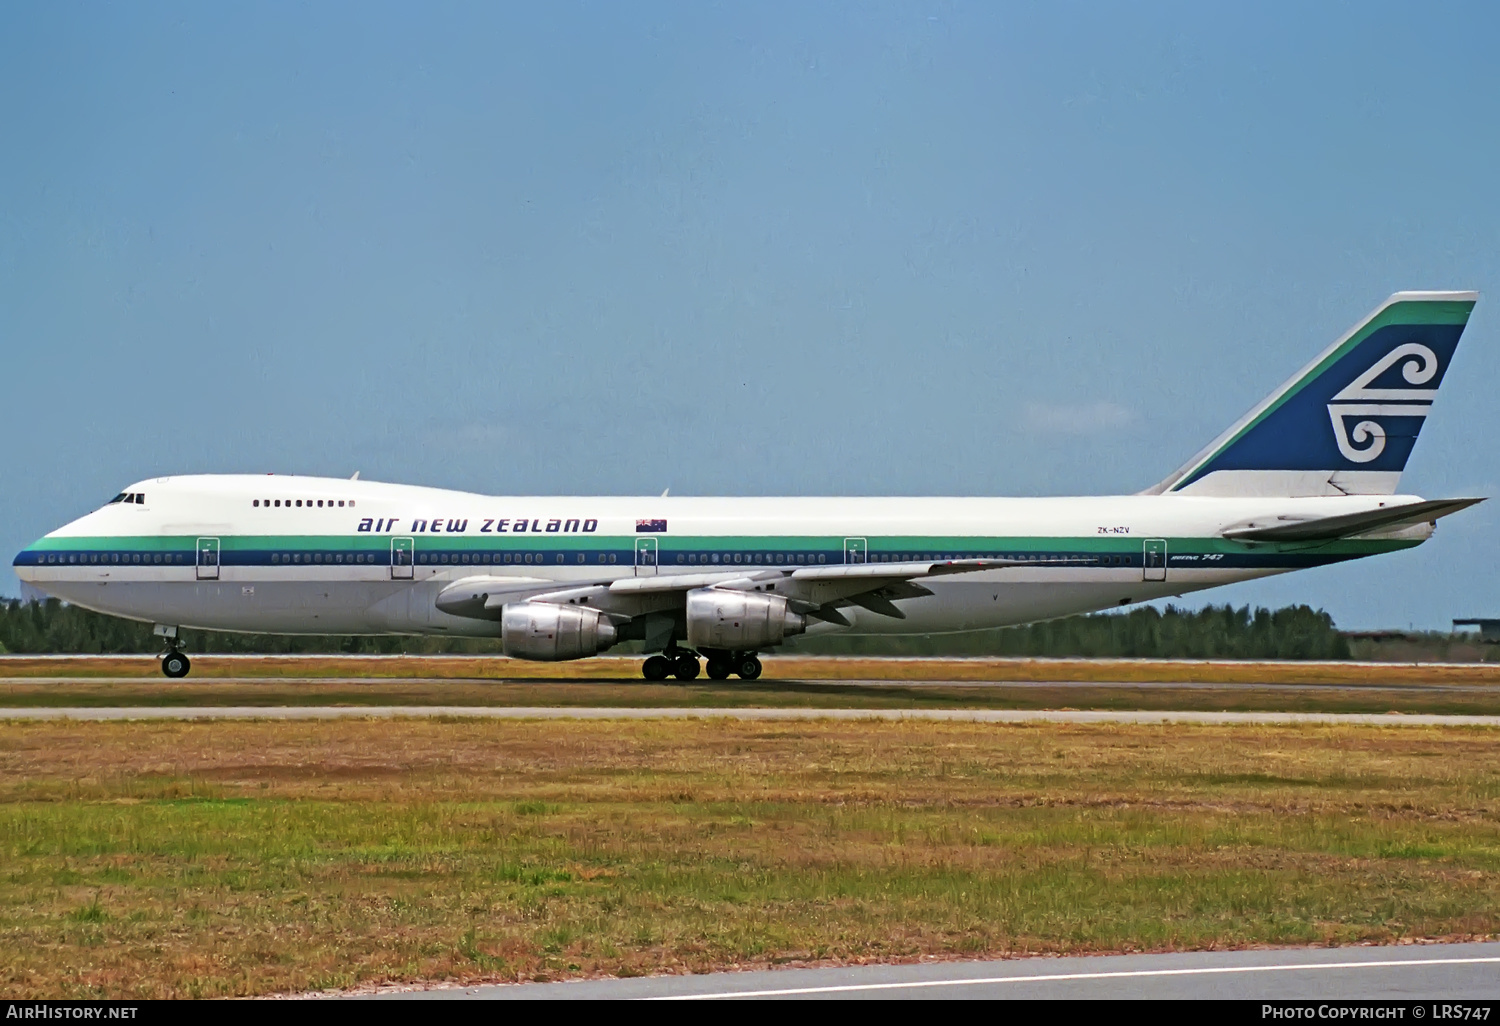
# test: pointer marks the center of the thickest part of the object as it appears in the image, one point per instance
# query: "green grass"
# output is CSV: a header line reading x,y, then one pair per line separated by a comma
x,y
166,859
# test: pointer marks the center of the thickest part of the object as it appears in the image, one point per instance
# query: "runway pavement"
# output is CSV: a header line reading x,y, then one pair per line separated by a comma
x,y
1440,972
877,683
329,712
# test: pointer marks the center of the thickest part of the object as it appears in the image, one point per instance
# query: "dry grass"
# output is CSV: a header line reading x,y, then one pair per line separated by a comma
x,y
158,859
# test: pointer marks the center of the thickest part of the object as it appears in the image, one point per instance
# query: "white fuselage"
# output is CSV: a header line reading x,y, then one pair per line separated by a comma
x,y
277,554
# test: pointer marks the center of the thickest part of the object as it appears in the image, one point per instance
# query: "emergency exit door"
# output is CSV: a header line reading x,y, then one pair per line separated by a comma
x,y
208,559
402,563
1154,559
856,550
645,557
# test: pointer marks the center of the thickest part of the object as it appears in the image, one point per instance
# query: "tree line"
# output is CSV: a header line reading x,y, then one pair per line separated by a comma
x,y
1213,632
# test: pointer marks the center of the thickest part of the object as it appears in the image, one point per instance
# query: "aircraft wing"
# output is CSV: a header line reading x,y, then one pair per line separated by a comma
x,y
868,574
817,590
481,597
1348,524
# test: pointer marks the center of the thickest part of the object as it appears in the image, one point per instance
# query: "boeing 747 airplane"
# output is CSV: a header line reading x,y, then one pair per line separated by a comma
x,y
1306,478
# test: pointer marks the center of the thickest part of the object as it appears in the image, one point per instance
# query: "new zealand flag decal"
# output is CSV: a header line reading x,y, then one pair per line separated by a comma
x,y
650,526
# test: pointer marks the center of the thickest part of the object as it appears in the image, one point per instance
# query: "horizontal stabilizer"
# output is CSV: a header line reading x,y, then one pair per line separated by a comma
x,y
1349,524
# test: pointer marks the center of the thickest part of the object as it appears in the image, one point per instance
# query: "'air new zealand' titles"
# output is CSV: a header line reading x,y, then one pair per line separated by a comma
x,y
1307,477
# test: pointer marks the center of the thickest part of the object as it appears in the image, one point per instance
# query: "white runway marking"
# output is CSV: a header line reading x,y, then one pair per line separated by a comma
x,y
1058,977
316,712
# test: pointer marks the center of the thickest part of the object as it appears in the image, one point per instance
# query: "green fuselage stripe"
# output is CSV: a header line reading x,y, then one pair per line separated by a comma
x,y
887,545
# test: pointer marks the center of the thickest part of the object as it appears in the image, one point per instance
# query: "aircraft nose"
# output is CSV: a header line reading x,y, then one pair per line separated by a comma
x,y
27,561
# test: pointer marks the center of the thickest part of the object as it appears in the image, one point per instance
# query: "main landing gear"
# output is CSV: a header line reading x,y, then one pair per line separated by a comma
x,y
743,664
672,663
684,665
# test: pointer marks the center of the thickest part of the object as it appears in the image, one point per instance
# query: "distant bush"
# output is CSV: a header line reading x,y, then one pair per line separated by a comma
x,y
53,627
1214,632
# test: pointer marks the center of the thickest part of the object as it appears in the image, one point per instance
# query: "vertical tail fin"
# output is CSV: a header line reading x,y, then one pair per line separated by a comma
x,y
1346,423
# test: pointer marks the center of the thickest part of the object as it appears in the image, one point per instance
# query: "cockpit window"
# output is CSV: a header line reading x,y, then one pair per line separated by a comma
x,y
117,498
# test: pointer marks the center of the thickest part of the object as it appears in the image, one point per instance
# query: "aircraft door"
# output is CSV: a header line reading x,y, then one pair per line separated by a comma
x,y
645,557
208,559
402,563
1154,559
855,550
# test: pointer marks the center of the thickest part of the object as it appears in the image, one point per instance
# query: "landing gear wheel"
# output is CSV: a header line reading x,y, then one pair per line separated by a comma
x,y
175,664
685,667
720,668
748,667
657,668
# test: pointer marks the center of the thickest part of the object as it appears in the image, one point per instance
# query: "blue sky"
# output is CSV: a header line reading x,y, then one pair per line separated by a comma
x,y
923,248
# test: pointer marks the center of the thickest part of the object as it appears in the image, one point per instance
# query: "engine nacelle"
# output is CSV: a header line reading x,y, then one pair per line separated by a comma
x,y
739,620
543,631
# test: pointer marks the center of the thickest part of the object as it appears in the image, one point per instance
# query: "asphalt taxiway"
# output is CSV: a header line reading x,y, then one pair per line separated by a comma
x,y
1439,972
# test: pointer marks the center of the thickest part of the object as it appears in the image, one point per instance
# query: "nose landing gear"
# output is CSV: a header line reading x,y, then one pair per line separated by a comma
x,y
174,664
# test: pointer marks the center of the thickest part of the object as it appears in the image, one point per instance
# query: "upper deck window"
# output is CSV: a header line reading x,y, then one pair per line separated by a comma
x,y
269,503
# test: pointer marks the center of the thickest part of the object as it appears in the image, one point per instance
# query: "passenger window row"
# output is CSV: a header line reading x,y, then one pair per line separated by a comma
x,y
508,557
112,558
290,503
769,558
799,558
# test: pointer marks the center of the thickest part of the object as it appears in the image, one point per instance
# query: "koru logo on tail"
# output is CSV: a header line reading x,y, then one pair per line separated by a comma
x,y
1362,403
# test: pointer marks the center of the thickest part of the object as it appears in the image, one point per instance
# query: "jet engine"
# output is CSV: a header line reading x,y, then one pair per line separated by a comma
x,y
738,620
543,631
